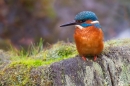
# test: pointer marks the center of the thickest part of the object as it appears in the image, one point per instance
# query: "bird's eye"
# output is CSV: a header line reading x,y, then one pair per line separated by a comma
x,y
80,21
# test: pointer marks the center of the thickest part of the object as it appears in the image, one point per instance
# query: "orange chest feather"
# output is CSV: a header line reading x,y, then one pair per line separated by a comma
x,y
89,40
90,31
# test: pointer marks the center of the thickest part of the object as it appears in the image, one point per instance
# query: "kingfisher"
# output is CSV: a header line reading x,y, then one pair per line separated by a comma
x,y
88,34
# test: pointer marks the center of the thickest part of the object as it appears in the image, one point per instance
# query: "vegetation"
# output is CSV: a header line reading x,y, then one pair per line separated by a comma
x,y
31,68
37,56
21,63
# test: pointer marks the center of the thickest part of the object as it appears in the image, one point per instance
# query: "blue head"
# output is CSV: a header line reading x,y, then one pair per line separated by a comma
x,y
82,18
86,15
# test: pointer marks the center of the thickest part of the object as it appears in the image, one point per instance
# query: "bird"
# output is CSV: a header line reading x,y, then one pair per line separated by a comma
x,y
88,35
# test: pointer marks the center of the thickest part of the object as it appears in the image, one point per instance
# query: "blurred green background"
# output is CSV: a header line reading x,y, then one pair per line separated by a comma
x,y
23,22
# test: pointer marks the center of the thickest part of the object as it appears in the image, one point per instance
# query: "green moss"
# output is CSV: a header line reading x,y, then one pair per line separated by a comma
x,y
61,50
57,52
117,42
28,62
38,56
25,73
17,75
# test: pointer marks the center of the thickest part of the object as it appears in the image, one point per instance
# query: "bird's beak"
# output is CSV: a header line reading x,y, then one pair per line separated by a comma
x,y
72,23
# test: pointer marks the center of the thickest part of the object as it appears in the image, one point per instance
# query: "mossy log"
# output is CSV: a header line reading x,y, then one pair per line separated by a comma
x,y
112,68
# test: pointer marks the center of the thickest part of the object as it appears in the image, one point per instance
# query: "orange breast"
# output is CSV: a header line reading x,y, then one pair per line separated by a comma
x,y
89,41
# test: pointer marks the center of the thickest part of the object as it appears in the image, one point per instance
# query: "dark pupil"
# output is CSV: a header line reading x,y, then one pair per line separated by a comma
x,y
80,21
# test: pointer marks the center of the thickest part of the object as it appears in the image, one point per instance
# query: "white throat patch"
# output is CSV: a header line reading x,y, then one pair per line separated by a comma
x,y
95,22
79,26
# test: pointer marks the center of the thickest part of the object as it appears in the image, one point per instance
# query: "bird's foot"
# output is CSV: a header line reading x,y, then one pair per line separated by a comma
x,y
84,58
95,58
